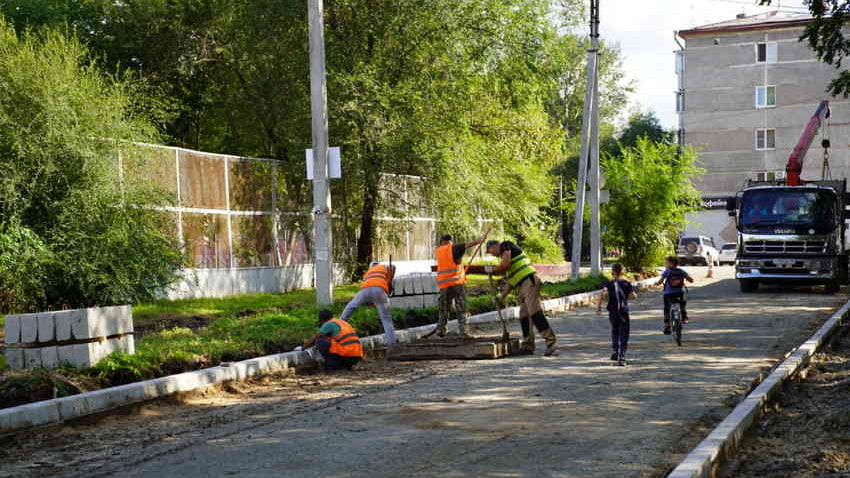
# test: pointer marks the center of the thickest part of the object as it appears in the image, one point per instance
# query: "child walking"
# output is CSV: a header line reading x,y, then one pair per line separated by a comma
x,y
618,291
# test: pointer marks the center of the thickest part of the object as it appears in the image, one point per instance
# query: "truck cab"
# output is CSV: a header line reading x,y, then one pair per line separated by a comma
x,y
791,234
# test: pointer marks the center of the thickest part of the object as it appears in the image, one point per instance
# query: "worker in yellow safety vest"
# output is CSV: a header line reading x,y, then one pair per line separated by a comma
x,y
451,277
337,341
521,276
375,289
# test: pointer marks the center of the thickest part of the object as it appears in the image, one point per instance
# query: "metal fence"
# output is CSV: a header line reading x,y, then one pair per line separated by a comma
x,y
226,210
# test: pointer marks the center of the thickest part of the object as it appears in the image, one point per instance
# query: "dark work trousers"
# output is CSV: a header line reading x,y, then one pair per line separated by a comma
x,y
669,299
333,361
619,332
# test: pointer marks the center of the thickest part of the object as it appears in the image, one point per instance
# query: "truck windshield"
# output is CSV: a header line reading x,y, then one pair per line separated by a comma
x,y
788,208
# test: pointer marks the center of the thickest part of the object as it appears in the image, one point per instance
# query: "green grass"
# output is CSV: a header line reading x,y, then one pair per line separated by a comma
x,y
246,326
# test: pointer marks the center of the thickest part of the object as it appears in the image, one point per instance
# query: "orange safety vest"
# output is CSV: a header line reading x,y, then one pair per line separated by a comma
x,y
377,276
346,343
449,272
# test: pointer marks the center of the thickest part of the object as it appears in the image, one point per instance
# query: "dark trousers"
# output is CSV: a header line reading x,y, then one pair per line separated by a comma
x,y
669,299
619,332
333,361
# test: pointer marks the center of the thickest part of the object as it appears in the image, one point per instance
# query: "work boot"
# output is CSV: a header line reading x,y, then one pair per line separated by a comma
x,y
526,346
614,356
551,342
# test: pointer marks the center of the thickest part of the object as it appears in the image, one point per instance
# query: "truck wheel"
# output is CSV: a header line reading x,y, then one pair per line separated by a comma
x,y
748,285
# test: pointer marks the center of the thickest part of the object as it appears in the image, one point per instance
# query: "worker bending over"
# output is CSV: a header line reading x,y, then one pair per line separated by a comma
x,y
337,341
375,289
520,275
451,277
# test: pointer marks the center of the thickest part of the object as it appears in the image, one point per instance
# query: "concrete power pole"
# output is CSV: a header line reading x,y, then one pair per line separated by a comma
x,y
321,184
587,131
595,226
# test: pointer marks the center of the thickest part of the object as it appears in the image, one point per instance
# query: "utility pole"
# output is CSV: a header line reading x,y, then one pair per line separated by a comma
x,y
587,131
321,184
595,226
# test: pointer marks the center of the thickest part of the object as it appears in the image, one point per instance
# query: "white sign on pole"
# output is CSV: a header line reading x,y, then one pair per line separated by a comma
x,y
334,163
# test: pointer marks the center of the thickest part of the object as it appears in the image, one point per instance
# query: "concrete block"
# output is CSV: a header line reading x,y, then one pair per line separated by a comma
x,y
418,286
49,356
15,358
13,329
85,355
98,322
65,354
46,327
129,344
29,328
32,358
62,321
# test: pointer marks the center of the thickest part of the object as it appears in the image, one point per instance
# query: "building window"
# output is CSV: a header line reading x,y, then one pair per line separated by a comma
x,y
680,101
765,96
770,176
767,52
765,139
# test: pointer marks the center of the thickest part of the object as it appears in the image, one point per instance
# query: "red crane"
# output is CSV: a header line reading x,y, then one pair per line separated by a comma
x,y
795,162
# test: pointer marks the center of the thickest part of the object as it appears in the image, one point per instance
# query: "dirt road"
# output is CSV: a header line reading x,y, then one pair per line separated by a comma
x,y
575,415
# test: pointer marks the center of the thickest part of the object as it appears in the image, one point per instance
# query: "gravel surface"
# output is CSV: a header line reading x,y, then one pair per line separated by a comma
x,y
808,433
567,416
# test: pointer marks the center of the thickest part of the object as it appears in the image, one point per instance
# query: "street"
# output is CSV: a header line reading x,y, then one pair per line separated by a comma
x,y
575,415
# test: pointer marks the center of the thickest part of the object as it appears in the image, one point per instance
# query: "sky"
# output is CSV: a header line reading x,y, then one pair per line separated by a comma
x,y
644,30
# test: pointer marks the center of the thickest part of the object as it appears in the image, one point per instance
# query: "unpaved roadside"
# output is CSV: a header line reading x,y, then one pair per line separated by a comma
x,y
570,416
808,433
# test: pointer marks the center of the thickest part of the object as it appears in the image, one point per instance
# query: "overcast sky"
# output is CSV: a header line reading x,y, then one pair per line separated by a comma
x,y
644,30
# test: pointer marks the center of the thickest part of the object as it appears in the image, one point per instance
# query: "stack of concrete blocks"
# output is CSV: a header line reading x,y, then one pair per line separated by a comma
x,y
414,291
80,337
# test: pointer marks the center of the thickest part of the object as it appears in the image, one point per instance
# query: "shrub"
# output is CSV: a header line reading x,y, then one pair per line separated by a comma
x,y
541,247
651,190
88,237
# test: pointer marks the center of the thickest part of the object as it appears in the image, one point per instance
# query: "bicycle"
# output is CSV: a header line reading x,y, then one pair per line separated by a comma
x,y
676,319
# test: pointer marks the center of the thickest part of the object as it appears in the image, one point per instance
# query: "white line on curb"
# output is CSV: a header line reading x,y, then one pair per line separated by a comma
x,y
706,460
58,410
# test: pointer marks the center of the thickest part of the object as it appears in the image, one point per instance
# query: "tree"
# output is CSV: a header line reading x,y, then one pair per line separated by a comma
x,y
640,125
825,34
651,190
85,236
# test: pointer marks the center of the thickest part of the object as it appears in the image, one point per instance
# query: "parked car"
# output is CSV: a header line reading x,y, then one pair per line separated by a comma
x,y
728,254
697,250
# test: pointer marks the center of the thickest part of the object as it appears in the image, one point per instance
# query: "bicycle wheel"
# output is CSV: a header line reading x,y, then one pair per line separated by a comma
x,y
676,323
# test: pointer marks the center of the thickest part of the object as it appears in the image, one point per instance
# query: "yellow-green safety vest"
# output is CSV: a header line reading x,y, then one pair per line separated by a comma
x,y
519,269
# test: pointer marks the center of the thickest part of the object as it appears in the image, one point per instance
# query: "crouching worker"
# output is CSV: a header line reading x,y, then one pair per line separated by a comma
x,y
375,289
337,341
522,277
618,292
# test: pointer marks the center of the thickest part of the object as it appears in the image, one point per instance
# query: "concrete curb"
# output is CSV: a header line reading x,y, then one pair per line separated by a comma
x,y
708,458
49,412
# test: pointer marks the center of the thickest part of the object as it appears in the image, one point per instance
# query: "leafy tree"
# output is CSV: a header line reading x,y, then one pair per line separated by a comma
x,y
86,237
640,125
651,189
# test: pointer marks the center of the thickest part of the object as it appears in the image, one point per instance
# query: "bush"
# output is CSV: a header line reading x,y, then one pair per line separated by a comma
x,y
651,189
541,247
23,258
88,238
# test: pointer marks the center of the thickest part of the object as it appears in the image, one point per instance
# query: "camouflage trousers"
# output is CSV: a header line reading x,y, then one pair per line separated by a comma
x,y
452,298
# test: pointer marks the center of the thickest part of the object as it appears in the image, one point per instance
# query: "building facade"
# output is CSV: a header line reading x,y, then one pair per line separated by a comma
x,y
747,88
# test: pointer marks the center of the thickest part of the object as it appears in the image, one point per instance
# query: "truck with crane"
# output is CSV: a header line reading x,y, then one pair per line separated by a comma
x,y
793,231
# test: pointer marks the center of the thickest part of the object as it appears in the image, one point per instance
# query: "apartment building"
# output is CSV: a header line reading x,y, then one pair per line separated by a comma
x,y
747,88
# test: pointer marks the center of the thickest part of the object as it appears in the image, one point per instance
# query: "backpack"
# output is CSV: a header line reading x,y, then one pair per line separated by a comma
x,y
676,278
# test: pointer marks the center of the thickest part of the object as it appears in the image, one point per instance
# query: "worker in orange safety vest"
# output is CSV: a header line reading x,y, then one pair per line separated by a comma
x,y
375,289
451,277
337,341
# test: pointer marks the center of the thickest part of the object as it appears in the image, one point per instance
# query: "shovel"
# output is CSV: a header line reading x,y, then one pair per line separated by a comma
x,y
506,336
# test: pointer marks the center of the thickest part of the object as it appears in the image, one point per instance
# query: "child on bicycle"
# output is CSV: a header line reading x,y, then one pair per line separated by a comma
x,y
618,292
673,279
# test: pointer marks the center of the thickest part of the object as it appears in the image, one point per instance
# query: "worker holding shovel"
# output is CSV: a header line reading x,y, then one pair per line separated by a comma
x,y
521,276
451,277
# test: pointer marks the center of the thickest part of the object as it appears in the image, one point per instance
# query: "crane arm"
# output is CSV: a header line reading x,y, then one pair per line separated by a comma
x,y
794,168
